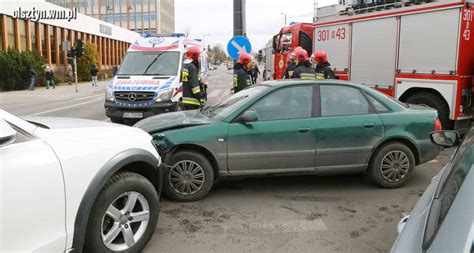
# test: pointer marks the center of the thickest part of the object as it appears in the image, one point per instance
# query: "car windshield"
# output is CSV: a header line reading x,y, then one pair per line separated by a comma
x,y
163,63
223,109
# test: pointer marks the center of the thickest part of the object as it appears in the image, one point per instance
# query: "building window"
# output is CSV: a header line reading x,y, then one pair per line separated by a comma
x,y
34,46
22,31
42,32
10,32
52,44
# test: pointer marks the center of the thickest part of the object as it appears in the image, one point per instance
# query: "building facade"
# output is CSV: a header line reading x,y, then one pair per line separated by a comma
x,y
142,16
47,36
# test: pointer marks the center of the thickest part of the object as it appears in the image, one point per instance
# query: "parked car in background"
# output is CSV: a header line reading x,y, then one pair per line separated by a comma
x,y
442,220
293,127
212,67
72,184
230,65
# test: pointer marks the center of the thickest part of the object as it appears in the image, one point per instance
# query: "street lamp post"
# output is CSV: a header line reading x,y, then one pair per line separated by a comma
x,y
204,39
284,14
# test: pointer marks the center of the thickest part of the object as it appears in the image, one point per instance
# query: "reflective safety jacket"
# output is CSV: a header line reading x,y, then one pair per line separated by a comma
x,y
303,70
241,78
324,71
289,70
190,79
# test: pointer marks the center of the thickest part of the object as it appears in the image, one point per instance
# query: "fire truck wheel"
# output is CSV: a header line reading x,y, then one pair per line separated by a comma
x,y
434,101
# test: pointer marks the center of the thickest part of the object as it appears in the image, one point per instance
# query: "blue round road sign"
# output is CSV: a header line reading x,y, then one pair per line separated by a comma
x,y
238,44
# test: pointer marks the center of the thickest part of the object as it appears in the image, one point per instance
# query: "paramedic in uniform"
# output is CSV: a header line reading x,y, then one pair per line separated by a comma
x,y
323,68
241,77
291,65
303,68
190,77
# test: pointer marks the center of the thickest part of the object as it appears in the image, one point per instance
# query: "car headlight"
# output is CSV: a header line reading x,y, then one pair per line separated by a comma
x,y
109,96
165,95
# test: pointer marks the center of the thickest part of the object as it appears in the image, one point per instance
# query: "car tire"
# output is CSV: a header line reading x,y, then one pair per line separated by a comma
x,y
434,101
116,120
391,165
117,191
189,168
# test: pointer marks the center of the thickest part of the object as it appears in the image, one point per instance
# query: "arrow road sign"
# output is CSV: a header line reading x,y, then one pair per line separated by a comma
x,y
238,44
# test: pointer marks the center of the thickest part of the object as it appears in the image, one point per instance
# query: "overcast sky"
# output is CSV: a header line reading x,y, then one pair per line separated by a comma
x,y
264,20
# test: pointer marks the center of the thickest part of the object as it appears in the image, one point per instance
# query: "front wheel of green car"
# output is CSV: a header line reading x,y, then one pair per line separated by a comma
x,y
392,165
190,177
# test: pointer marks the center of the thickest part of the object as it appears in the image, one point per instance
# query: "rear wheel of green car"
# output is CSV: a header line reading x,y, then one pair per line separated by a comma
x,y
392,165
190,177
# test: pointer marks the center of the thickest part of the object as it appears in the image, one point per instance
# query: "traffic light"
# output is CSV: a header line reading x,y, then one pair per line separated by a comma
x,y
79,48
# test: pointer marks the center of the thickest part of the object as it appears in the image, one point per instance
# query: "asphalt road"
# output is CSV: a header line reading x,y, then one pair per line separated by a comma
x,y
88,103
281,214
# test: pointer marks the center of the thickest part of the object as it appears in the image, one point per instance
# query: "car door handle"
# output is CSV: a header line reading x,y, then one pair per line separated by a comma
x,y
304,130
369,125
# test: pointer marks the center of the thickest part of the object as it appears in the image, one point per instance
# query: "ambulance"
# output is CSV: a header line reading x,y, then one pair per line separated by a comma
x,y
147,82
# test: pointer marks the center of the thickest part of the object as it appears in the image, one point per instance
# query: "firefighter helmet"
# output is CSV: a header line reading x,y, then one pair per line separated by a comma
x,y
244,58
301,54
320,57
193,53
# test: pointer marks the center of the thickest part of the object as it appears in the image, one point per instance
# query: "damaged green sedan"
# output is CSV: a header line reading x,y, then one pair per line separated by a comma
x,y
293,127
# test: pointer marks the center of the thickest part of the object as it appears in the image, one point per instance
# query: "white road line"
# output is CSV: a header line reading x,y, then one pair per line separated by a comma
x,y
63,108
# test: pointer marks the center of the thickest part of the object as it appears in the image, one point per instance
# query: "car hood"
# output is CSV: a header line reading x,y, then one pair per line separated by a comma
x,y
410,238
61,123
173,120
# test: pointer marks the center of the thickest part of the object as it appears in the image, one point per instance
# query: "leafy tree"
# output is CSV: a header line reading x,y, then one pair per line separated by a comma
x,y
86,61
13,68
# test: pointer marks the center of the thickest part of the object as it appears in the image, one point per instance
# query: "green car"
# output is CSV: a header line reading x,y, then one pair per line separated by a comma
x,y
293,127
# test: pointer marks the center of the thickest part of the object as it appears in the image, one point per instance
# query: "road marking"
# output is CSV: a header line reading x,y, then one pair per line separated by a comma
x,y
63,108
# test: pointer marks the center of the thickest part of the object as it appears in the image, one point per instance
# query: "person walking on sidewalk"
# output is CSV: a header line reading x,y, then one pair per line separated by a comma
x,y
94,72
50,77
31,74
70,75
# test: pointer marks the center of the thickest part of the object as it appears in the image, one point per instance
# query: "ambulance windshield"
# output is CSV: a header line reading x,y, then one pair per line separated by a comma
x,y
160,63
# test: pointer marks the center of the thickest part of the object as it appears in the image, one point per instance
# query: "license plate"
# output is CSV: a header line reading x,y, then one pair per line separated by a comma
x,y
133,115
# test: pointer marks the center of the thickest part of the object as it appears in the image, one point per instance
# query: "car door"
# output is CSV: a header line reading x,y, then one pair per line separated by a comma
x,y
347,129
32,195
281,140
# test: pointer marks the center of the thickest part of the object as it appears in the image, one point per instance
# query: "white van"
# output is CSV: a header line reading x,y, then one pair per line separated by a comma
x,y
148,79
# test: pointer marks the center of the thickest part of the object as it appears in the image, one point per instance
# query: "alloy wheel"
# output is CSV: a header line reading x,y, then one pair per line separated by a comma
x,y
395,166
125,221
186,177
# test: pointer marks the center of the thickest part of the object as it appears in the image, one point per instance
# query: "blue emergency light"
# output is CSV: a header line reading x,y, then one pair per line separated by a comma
x,y
147,35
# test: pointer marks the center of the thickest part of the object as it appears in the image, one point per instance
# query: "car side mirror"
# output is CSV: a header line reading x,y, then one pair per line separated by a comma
x,y
249,116
114,70
445,139
7,133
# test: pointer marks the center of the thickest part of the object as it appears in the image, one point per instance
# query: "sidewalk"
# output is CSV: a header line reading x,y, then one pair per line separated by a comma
x,y
60,93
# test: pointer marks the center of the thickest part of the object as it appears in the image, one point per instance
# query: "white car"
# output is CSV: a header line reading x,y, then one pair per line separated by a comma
x,y
76,185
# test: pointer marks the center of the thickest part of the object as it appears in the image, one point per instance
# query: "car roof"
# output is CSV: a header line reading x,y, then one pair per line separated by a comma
x,y
291,82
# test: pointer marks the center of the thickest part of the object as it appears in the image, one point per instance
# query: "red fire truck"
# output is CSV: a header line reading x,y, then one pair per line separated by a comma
x,y
419,53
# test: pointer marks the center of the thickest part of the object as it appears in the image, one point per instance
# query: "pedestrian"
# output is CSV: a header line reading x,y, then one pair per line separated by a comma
x,y
250,68
323,68
241,77
50,75
192,97
70,75
304,68
291,65
256,72
94,71
31,74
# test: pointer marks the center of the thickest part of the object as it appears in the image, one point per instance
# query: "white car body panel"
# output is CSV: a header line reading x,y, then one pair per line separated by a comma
x,y
81,148
32,198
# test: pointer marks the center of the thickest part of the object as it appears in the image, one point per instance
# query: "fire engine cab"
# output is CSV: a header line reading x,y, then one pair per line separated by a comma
x,y
417,52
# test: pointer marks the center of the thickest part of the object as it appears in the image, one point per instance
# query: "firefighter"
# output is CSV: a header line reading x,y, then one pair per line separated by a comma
x,y
323,68
192,99
241,77
303,68
291,65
